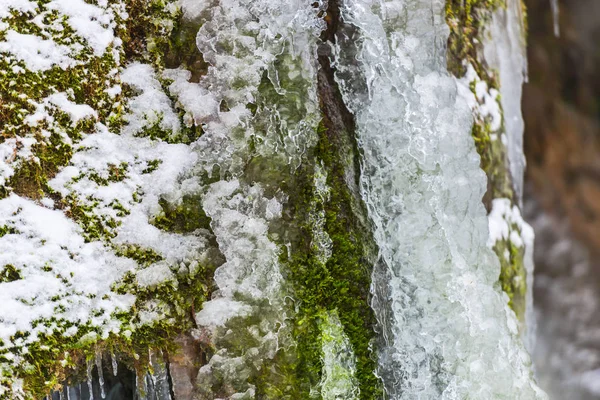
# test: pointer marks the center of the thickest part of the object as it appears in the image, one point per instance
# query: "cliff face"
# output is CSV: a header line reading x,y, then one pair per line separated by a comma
x,y
256,199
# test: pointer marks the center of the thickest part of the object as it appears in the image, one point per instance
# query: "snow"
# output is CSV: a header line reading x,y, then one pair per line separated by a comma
x,y
93,23
151,105
484,102
77,112
61,275
36,53
201,105
21,6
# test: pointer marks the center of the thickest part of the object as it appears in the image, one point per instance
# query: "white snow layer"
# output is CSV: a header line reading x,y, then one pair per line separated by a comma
x,y
56,280
61,275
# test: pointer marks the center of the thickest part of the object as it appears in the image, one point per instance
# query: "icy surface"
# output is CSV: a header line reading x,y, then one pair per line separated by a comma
x,y
451,334
243,42
339,366
504,50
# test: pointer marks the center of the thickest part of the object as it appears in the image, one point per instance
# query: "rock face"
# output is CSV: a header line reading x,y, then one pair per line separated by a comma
x,y
562,144
239,199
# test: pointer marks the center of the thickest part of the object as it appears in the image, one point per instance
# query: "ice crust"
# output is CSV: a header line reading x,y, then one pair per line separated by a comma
x,y
504,51
243,42
451,334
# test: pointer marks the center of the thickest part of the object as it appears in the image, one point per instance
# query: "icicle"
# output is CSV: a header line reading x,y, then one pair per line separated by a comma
x,y
113,359
160,378
555,15
89,379
100,374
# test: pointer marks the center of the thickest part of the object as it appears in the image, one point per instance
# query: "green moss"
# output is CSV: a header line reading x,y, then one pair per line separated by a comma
x,y
186,217
9,273
95,226
144,257
513,276
466,19
7,230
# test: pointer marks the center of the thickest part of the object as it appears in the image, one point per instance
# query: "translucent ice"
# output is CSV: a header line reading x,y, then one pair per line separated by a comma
x,y
450,334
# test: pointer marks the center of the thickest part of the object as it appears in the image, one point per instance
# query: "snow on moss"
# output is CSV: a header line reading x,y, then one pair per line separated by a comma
x,y
85,189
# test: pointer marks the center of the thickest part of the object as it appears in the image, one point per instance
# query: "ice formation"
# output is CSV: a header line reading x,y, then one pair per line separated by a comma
x,y
171,173
505,52
422,185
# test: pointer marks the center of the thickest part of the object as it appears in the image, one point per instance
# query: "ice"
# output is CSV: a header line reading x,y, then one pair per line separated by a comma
x,y
451,334
504,51
115,365
339,364
160,376
243,42
98,361
90,379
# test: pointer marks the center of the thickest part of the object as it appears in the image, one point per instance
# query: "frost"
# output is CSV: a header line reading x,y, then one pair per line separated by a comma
x,y
423,187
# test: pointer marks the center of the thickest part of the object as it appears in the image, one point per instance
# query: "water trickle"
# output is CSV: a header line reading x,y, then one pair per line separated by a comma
x,y
98,360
